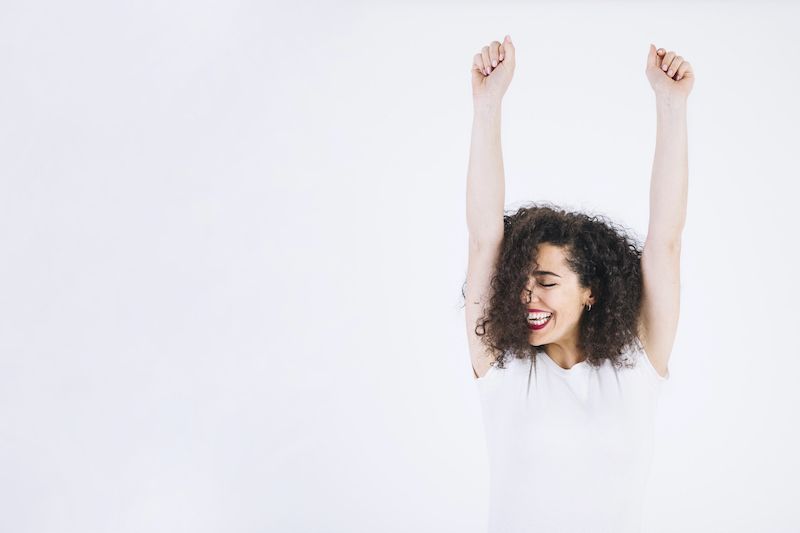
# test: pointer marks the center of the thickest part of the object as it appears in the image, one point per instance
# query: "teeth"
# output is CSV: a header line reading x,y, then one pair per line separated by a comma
x,y
539,318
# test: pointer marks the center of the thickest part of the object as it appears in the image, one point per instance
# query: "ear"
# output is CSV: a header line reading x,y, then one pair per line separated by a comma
x,y
588,297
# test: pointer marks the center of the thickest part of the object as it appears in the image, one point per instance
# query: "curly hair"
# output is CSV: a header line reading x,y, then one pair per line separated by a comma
x,y
606,258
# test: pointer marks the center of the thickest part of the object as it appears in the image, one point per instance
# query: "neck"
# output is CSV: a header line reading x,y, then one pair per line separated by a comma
x,y
564,352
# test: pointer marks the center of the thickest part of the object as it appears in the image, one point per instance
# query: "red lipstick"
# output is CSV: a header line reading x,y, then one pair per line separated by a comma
x,y
534,327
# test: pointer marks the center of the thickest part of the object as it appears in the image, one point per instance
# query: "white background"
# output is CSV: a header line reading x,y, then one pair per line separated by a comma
x,y
233,240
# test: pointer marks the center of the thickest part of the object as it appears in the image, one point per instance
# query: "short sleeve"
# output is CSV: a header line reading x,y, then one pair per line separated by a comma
x,y
648,368
490,374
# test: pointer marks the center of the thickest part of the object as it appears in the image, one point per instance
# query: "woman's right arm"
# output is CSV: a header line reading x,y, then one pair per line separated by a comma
x,y
492,71
485,188
485,177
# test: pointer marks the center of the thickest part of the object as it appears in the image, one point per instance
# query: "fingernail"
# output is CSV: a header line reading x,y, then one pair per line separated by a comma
x,y
664,67
494,62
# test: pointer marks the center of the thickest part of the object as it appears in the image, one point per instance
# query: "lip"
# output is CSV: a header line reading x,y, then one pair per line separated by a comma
x,y
539,311
536,328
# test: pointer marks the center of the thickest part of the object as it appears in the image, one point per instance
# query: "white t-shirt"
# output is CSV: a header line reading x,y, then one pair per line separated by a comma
x,y
573,453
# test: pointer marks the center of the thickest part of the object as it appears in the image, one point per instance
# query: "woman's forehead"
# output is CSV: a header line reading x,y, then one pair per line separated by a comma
x,y
549,258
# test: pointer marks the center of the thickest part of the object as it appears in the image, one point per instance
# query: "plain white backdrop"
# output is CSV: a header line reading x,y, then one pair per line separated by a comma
x,y
233,239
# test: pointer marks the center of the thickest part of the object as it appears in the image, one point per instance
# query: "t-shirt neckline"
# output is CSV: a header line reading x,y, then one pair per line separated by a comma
x,y
577,367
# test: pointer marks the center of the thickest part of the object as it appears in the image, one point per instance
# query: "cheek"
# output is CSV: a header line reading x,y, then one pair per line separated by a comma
x,y
566,304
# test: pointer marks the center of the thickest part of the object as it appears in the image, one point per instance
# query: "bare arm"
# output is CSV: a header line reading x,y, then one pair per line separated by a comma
x,y
492,71
485,177
661,257
669,181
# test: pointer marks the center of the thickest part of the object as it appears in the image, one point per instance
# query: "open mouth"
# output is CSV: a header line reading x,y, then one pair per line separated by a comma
x,y
538,321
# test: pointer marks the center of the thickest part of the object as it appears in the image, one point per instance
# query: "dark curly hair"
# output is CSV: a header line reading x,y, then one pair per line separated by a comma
x,y
605,256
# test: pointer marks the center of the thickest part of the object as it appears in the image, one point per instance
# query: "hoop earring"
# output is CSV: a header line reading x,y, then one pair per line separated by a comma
x,y
589,308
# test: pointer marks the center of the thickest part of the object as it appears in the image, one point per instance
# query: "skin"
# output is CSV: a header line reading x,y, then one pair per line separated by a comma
x,y
562,295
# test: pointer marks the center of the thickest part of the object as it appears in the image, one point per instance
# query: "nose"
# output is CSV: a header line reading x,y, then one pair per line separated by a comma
x,y
530,295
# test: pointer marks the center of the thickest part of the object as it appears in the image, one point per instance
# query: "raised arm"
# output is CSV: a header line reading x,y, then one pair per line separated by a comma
x,y
492,70
670,177
485,177
671,78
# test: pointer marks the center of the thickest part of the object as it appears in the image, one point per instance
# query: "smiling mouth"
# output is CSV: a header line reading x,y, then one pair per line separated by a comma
x,y
539,323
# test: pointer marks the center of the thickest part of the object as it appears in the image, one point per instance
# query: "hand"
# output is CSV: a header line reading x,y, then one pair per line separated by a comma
x,y
678,78
492,70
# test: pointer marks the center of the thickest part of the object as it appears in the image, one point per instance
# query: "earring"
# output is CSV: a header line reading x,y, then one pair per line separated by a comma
x,y
589,308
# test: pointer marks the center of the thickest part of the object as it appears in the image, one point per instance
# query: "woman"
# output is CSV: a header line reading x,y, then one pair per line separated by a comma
x,y
575,299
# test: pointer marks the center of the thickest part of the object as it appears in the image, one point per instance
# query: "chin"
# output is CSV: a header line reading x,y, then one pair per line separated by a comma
x,y
538,342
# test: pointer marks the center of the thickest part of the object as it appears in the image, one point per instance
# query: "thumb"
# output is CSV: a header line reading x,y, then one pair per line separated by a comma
x,y
510,51
651,57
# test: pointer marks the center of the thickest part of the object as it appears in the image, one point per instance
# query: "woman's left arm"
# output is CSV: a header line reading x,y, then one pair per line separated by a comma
x,y
670,177
668,199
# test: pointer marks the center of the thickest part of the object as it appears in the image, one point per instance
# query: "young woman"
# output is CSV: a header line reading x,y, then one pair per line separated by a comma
x,y
574,298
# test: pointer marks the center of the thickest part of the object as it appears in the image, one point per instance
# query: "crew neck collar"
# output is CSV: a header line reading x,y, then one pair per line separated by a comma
x,y
576,368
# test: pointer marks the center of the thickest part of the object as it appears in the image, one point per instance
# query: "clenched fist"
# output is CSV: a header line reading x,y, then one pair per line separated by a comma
x,y
669,74
492,70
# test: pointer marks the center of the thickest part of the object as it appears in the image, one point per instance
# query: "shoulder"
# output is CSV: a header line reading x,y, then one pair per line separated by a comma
x,y
511,365
644,365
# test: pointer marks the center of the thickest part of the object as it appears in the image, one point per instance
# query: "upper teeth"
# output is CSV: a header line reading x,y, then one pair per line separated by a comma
x,y
538,316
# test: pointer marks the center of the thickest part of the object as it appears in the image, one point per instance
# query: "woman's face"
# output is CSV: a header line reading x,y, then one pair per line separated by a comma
x,y
554,289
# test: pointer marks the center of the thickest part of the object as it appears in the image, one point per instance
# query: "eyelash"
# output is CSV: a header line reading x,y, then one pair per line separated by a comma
x,y
543,285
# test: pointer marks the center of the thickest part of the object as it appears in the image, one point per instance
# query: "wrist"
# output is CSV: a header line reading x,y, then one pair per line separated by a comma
x,y
487,106
671,101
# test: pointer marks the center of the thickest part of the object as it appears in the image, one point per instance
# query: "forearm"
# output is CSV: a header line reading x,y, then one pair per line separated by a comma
x,y
670,177
485,177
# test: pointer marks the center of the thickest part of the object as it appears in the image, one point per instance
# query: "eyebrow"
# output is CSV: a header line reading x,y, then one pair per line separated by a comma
x,y
546,273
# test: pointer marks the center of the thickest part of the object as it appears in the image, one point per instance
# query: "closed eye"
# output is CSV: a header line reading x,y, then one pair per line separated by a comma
x,y
544,285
